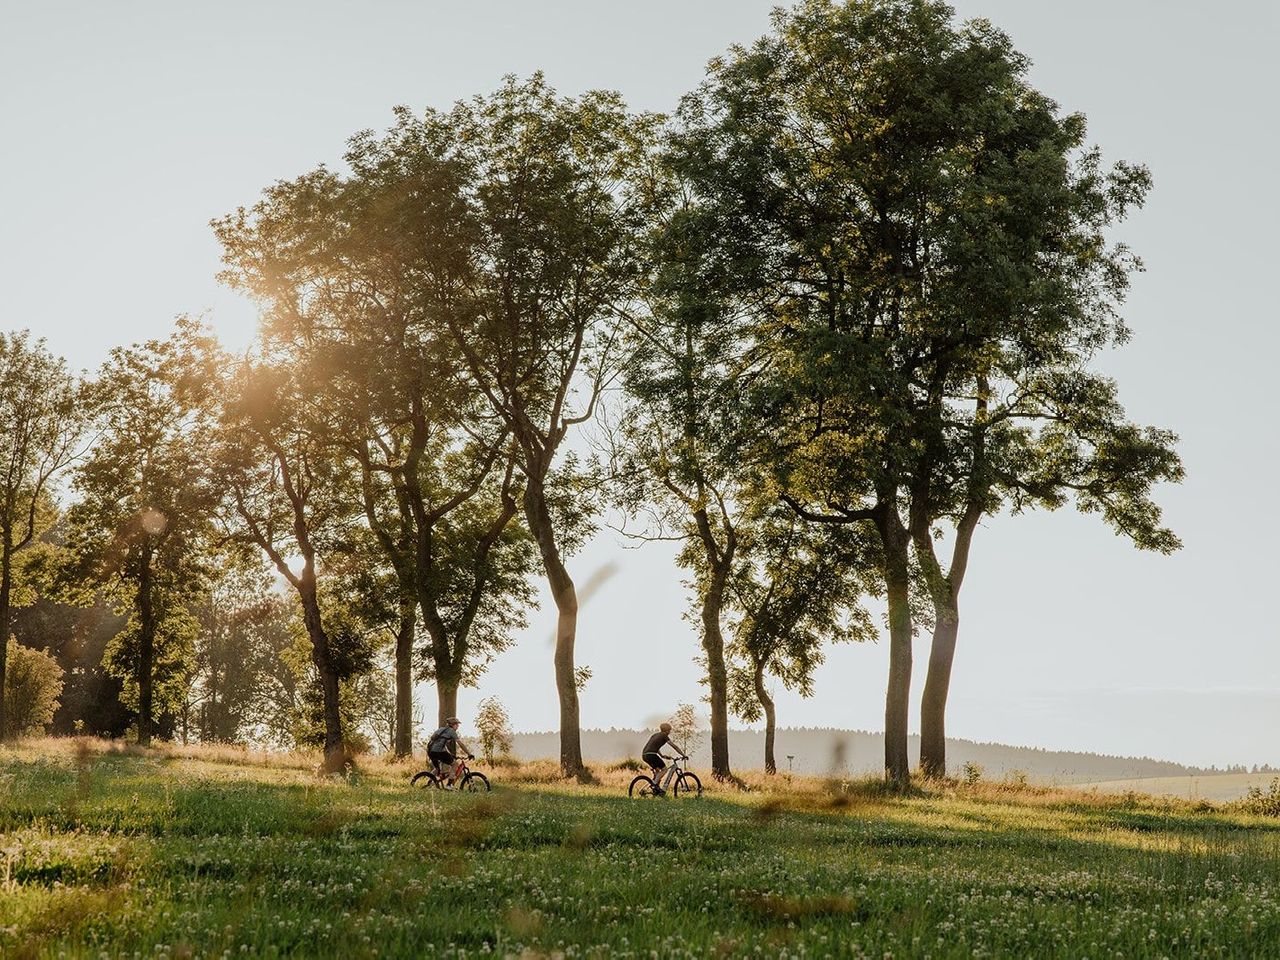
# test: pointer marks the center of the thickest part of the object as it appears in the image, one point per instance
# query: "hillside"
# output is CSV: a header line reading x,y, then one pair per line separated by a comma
x,y
822,751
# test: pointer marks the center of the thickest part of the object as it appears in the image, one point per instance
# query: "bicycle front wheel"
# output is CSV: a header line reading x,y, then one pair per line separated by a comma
x,y
424,779
641,786
688,785
475,783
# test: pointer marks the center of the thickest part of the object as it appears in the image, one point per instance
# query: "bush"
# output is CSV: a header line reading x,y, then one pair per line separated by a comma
x,y
972,773
32,685
1265,802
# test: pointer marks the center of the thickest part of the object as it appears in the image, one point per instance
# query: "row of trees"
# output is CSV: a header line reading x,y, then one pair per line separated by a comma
x,y
820,323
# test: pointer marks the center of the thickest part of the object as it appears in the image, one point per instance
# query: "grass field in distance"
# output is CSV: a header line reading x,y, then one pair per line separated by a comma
x,y
205,852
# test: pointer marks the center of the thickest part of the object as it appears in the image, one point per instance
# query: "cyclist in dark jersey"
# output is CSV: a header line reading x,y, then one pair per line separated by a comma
x,y
651,755
442,750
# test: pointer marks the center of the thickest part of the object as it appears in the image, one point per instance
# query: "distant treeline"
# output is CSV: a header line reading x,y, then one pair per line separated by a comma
x,y
823,750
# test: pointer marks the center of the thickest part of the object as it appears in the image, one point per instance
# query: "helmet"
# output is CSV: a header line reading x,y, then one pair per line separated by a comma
x,y
452,720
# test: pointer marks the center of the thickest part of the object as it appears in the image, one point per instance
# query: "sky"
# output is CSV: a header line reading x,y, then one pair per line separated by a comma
x,y
125,127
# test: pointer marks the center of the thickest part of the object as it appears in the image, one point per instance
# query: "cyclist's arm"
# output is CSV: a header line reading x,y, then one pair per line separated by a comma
x,y
676,747
462,748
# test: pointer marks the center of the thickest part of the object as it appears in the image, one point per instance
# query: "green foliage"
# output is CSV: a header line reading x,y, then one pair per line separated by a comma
x,y
798,587
495,728
32,685
243,625
1265,802
140,528
41,420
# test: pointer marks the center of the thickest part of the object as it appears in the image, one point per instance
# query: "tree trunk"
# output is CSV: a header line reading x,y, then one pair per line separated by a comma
x,y
405,636
770,720
717,676
6,587
566,599
933,704
146,651
894,539
334,748
447,698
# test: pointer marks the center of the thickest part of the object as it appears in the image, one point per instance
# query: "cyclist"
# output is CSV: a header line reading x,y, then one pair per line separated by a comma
x,y
442,751
652,756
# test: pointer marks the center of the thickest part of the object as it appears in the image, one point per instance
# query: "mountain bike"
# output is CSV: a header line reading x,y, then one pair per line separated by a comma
x,y
469,780
675,778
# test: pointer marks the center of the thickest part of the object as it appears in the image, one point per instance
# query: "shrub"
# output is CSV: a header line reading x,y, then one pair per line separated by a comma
x,y
972,773
1265,802
32,685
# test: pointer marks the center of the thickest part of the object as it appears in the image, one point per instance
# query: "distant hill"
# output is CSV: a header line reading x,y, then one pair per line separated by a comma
x,y
824,751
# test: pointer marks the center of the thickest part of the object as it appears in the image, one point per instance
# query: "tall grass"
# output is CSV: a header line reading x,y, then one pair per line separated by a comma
x,y
215,852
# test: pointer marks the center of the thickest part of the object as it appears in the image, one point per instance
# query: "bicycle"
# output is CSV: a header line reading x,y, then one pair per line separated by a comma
x,y
686,783
470,781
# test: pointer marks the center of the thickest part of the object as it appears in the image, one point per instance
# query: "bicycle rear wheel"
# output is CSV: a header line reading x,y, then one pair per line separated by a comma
x,y
475,783
424,779
688,785
641,786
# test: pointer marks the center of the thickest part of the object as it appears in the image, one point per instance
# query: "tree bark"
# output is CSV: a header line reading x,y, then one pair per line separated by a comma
x,y
944,590
146,650
6,587
405,636
334,747
447,698
770,720
933,703
895,541
717,676
566,600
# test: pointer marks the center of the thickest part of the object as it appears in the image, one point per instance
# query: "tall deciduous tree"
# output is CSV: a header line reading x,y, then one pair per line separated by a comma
x,y
557,261
873,170
284,492
676,451
1035,433
356,273
140,526
41,420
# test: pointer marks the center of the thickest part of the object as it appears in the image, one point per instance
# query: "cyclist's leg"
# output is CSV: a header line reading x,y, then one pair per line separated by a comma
x,y
656,765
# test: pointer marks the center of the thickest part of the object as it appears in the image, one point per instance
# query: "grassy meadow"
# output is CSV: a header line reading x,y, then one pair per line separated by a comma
x,y
168,853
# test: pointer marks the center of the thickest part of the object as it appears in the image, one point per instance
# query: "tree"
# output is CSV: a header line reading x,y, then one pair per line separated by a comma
x,y
242,624
32,686
1037,433
557,263
686,728
799,589
40,425
872,171
494,727
278,463
355,272
677,453
140,526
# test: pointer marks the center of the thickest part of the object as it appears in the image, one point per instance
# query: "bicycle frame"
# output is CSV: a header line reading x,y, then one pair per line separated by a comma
x,y
664,779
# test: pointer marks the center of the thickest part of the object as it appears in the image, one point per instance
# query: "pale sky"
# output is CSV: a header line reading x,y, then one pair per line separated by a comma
x,y
126,126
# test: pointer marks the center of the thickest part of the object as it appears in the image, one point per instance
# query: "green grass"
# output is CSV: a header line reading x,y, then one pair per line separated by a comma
x,y
161,854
